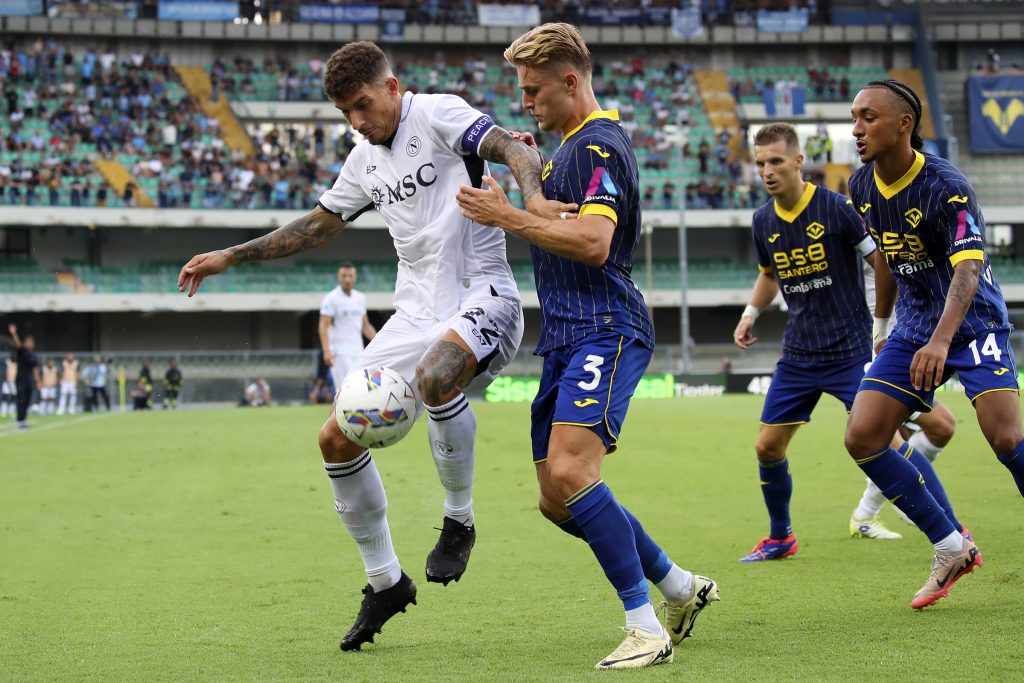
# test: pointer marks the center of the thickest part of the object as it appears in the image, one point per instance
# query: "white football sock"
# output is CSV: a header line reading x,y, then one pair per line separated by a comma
x,y
361,503
644,618
677,586
953,543
920,442
871,503
452,431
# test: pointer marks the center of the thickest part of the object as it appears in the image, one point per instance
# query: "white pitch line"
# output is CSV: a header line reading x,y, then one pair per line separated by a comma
x,y
53,425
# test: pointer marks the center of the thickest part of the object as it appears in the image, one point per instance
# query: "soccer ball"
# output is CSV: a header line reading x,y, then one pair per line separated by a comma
x,y
375,407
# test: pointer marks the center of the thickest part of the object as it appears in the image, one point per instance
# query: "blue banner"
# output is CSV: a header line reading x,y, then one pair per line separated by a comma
x,y
686,23
21,8
507,15
392,25
995,109
339,14
196,10
791,21
787,98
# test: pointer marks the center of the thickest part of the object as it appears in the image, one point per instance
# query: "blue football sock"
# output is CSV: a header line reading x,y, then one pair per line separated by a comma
x,y
777,489
571,527
903,485
655,563
612,541
653,559
1014,461
931,480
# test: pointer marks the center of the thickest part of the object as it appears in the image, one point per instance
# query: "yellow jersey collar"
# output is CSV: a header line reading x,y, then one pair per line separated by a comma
x,y
889,191
794,213
611,114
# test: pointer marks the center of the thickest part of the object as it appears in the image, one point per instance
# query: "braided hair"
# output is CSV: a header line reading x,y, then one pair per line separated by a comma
x,y
907,94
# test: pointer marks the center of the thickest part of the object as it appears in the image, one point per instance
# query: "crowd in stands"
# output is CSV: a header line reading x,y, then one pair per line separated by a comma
x,y
64,111
822,87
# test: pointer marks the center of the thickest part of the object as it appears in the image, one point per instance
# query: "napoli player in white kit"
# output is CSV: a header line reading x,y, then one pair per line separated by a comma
x,y
457,310
343,324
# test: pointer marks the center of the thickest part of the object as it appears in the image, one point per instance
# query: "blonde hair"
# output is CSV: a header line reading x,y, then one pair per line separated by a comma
x,y
549,44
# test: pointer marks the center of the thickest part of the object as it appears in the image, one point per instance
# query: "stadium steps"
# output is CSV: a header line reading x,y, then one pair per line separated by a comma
x,y
713,87
915,80
197,81
115,173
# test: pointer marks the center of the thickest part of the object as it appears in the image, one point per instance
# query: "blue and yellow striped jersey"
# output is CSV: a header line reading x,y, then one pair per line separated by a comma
x,y
925,223
814,251
595,168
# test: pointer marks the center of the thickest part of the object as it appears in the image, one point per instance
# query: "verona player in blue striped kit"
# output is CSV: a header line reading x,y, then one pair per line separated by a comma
x,y
950,317
810,243
596,335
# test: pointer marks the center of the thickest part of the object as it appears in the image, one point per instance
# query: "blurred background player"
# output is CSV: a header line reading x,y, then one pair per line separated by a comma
x,y
458,314
258,393
98,375
68,385
343,324
27,379
145,382
172,386
596,335
950,317
9,389
809,242
48,389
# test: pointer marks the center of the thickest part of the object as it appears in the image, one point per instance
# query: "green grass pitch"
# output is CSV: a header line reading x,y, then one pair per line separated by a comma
x,y
203,545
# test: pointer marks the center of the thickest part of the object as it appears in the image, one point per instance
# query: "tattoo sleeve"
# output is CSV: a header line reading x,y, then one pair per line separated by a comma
x,y
303,234
443,368
964,286
524,161
959,298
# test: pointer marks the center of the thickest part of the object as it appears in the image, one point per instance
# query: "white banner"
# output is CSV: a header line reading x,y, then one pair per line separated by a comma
x,y
508,15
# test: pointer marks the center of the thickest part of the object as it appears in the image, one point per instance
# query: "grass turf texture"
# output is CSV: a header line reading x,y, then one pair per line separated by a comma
x,y
205,546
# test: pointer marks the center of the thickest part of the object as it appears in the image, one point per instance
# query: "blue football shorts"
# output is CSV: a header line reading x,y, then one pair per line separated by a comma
x,y
588,384
797,386
985,363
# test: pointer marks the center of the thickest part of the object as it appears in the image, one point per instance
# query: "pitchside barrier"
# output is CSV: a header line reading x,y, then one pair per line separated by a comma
x,y
220,377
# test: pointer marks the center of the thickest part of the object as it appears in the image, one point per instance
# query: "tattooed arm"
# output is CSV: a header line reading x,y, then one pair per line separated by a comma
x,y
526,165
303,234
930,360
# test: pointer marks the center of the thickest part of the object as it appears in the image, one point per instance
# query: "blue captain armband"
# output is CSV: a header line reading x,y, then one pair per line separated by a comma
x,y
475,134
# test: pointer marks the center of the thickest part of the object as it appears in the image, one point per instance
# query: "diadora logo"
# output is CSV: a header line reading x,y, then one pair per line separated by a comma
x,y
404,188
413,147
957,199
775,236
444,448
546,172
913,216
600,152
864,208
1000,372
586,402
815,230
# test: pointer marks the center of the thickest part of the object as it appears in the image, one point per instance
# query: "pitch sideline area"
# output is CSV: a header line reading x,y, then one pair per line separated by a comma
x,y
204,545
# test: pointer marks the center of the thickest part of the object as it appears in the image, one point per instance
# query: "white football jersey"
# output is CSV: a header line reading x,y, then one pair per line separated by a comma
x,y
869,291
444,259
345,335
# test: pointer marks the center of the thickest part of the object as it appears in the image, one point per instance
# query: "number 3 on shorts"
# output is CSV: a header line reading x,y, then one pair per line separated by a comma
x,y
989,348
593,365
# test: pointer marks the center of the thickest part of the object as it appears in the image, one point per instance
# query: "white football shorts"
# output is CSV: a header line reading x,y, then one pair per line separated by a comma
x,y
491,326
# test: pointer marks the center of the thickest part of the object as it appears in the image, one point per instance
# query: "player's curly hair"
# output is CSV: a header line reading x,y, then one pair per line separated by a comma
x,y
909,98
552,43
774,132
352,66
